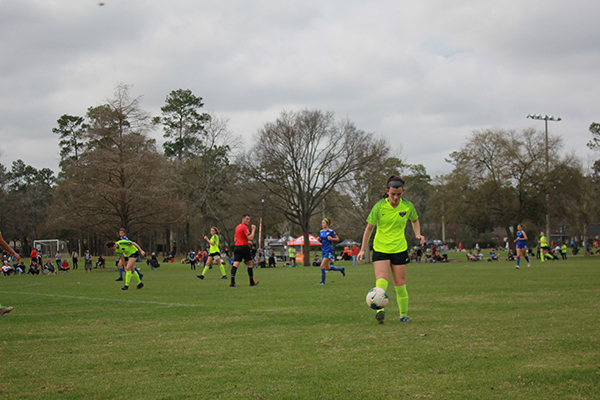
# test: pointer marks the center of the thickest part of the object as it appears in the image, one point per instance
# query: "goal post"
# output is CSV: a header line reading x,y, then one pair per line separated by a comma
x,y
49,247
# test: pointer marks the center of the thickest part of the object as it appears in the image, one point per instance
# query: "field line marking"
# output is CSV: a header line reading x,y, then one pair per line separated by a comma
x,y
102,299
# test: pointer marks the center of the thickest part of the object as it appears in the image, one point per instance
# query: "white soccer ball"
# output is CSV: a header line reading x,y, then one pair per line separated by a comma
x,y
377,298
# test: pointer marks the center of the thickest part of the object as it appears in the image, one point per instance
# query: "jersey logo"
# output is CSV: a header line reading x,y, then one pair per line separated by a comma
x,y
402,213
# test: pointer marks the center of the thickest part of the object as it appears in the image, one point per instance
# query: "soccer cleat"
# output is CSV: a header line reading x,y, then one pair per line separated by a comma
x,y
344,271
119,279
517,267
529,264
223,277
141,285
141,275
200,276
253,283
233,285
5,310
321,283
403,319
125,288
380,317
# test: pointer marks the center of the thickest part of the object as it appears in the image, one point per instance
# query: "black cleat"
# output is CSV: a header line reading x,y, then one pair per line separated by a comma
x,y
253,283
200,276
119,279
233,285
141,275
141,285
125,288
380,317
224,277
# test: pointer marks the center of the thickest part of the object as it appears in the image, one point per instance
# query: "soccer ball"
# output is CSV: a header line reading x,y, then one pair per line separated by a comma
x,y
377,298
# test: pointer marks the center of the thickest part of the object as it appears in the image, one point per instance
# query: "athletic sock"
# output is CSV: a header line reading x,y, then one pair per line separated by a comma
x,y
233,271
221,267
127,278
323,275
402,296
542,258
136,276
205,270
381,283
333,268
527,258
120,272
518,261
251,274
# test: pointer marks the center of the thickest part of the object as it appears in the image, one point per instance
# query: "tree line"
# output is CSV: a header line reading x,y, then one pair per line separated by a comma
x,y
301,167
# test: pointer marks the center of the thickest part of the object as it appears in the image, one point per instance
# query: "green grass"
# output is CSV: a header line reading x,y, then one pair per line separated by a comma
x,y
477,331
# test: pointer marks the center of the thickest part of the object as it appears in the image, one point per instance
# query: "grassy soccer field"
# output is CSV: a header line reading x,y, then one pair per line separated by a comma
x,y
477,331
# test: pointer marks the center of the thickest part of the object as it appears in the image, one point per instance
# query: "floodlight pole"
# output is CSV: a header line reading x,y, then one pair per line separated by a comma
x,y
546,118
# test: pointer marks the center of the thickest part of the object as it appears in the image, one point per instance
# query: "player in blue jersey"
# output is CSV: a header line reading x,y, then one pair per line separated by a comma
x,y
326,237
521,242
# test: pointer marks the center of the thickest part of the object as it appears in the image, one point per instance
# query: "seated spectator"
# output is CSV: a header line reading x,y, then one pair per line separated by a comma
x,y
48,268
64,267
101,262
471,257
511,256
19,268
493,256
7,269
33,269
316,262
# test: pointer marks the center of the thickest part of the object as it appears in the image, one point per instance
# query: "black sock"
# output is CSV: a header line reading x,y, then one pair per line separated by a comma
x,y
233,271
251,274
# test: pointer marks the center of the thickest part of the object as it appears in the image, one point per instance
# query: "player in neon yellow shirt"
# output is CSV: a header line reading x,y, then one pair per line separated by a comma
x,y
128,252
390,249
214,253
543,246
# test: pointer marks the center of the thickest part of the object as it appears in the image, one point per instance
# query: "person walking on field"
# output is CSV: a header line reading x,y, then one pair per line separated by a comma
x,y
213,253
7,248
390,249
326,237
521,242
543,247
128,252
241,250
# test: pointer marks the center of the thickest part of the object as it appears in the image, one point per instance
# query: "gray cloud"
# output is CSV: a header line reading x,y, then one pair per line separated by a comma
x,y
422,74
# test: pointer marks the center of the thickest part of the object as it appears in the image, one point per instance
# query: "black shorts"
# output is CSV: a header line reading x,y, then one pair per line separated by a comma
x,y
544,247
134,255
396,258
241,253
216,255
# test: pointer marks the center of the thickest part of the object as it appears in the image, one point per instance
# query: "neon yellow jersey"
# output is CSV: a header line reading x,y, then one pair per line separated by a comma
x,y
292,251
391,223
543,241
214,248
126,248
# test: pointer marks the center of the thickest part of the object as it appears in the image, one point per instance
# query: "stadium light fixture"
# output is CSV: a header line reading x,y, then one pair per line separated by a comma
x,y
546,118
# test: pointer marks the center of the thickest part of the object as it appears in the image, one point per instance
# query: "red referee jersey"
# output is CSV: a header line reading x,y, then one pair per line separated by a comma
x,y
241,235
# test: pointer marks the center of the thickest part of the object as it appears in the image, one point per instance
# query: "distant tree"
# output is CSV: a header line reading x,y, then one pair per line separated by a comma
x,y
26,194
182,123
594,144
121,180
301,157
72,131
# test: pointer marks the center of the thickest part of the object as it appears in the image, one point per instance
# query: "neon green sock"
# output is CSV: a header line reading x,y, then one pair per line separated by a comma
x,y
137,277
222,268
381,283
127,278
402,296
205,270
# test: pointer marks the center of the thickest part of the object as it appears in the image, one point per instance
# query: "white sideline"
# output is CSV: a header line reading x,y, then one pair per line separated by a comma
x,y
101,299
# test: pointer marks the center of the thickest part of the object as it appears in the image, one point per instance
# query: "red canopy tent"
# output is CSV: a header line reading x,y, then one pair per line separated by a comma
x,y
299,241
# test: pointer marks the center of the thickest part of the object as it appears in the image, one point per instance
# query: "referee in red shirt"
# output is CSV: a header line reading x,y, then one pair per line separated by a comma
x,y
241,251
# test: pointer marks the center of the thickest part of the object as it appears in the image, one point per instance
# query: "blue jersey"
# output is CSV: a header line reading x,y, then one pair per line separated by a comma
x,y
326,245
521,242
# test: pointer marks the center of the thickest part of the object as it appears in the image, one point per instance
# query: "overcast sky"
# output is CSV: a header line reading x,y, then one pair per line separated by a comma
x,y
423,74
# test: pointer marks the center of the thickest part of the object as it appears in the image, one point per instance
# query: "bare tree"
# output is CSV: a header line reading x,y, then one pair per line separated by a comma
x,y
301,157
